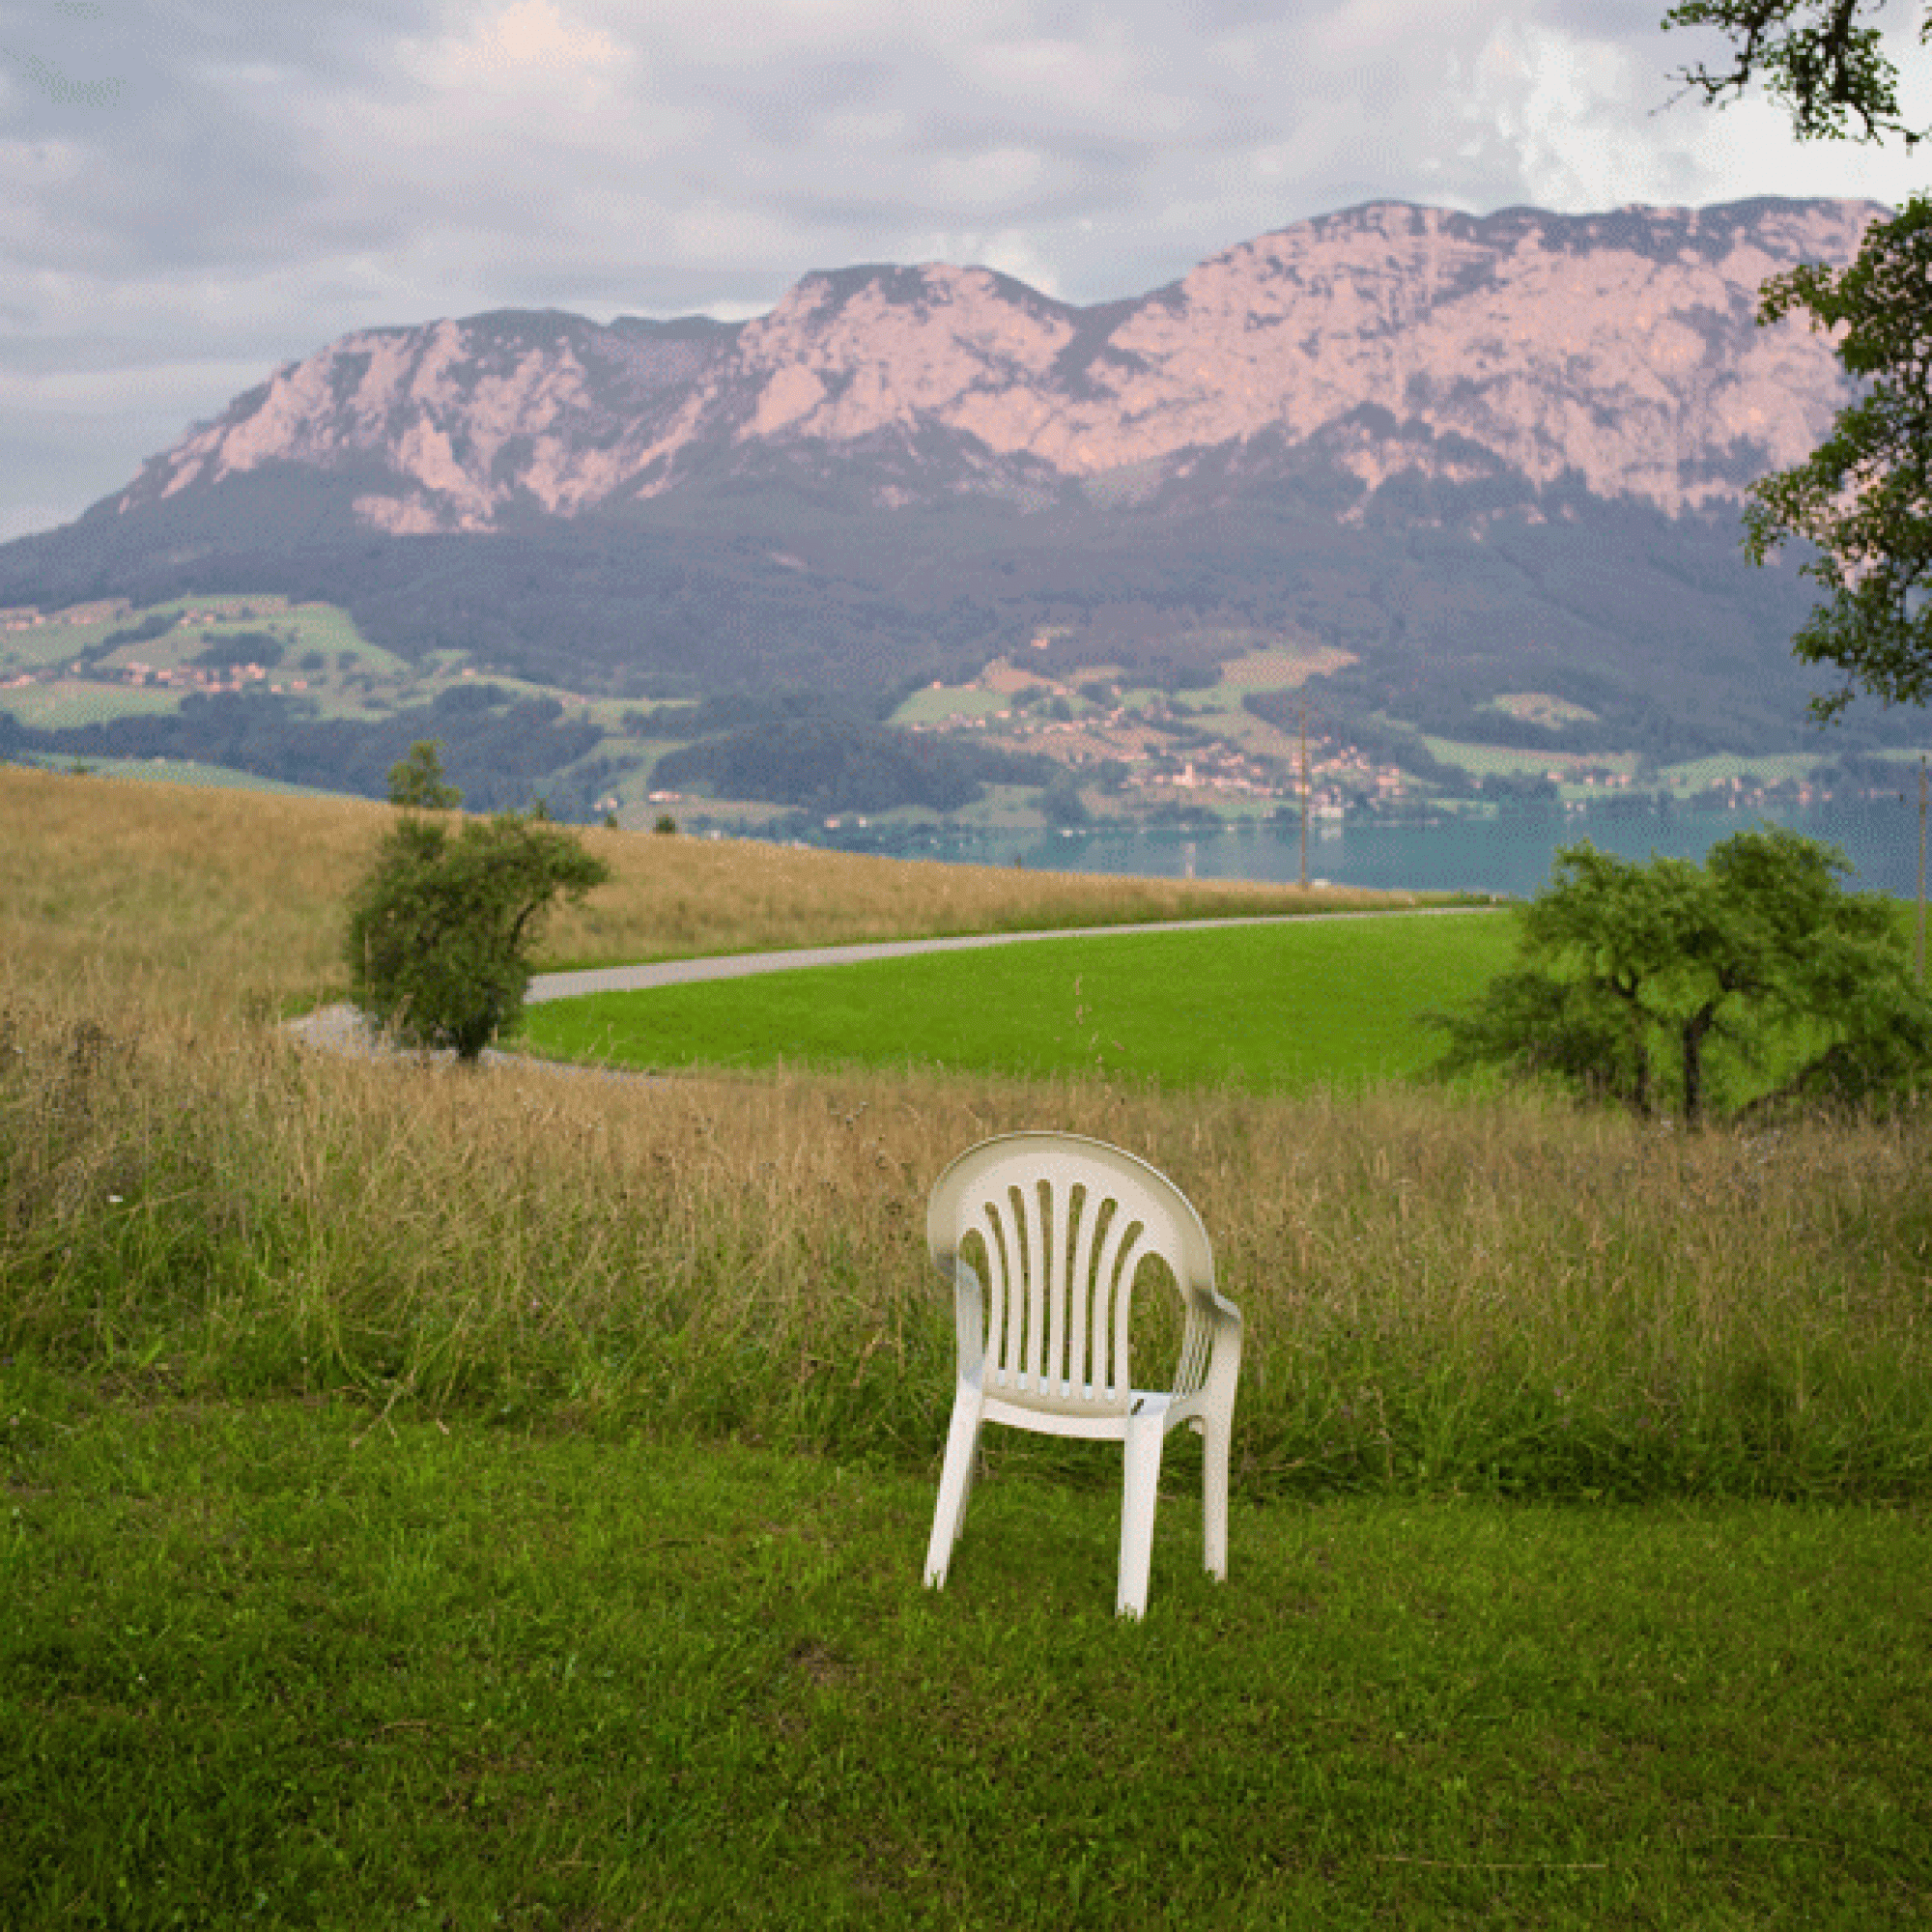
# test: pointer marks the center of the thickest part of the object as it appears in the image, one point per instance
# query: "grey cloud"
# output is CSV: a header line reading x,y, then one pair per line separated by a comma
x,y
66,93
787,106
267,178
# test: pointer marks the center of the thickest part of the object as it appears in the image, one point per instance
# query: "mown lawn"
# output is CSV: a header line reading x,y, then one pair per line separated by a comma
x,y
288,1663
1270,1008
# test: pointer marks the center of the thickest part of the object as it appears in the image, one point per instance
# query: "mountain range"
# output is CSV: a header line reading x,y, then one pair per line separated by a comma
x,y
1515,349
1464,458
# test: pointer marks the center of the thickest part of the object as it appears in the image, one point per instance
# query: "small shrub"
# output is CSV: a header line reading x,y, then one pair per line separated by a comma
x,y
416,782
441,931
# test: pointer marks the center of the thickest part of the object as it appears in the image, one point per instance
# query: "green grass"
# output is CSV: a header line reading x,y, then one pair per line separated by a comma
x,y
48,708
931,706
499,1500
55,642
1273,1009
177,772
1491,760
289,1665
1701,774
45,644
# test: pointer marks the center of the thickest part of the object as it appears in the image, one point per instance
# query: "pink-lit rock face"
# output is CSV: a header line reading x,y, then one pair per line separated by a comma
x,y
1622,348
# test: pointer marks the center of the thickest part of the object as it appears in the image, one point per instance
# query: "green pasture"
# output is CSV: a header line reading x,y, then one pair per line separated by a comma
x,y
301,627
326,627
293,1664
44,644
1502,761
75,701
56,642
1701,774
1280,1007
934,705
178,771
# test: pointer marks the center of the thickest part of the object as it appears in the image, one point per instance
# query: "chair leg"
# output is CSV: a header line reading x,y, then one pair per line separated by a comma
x,y
955,1486
1141,1494
1214,1446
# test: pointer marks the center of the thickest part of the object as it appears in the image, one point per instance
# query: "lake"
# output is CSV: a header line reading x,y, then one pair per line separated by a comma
x,y
1510,855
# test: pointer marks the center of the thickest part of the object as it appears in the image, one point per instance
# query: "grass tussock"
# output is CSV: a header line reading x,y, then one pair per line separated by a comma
x,y
219,901
1494,1295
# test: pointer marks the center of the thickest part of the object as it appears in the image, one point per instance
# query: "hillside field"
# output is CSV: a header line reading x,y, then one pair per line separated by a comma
x,y
216,901
275,691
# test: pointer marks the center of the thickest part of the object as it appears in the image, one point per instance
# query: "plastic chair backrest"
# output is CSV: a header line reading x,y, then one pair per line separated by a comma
x,y
1067,1225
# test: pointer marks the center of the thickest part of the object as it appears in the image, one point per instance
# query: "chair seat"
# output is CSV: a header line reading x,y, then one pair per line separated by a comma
x,y
1069,1415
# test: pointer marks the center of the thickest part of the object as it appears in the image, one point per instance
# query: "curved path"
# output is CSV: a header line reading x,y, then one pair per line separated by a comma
x,y
741,965
341,1029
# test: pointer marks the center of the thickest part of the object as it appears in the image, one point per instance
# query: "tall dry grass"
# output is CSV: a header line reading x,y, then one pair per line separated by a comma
x,y
229,901
1499,1295
1439,1293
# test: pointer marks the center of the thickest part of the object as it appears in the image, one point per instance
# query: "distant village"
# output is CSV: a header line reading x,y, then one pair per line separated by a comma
x,y
1150,752
134,672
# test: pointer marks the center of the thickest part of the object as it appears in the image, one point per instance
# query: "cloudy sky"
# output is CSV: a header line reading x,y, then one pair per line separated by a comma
x,y
193,191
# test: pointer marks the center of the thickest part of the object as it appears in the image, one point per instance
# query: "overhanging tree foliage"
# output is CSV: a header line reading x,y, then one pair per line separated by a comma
x,y
1821,58
1629,974
1864,498
439,932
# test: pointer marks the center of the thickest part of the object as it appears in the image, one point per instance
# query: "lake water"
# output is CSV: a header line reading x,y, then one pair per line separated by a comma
x,y
1511,854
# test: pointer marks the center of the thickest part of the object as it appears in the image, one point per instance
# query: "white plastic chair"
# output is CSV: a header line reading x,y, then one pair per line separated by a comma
x,y
1066,1224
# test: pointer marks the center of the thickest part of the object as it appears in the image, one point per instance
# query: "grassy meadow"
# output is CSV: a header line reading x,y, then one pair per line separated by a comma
x,y
451,1499
1268,1009
268,1665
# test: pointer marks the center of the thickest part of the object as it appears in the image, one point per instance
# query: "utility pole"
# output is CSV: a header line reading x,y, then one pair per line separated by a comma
x,y
1922,832
1919,952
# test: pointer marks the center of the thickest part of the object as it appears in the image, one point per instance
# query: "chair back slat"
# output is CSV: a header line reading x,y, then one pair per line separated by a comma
x,y
1031,1362
1057,1213
1195,1346
999,1275
1085,1210
1119,1266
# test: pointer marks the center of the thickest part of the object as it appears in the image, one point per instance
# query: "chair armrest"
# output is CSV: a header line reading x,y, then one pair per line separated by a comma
x,y
969,1312
1224,1361
1211,1350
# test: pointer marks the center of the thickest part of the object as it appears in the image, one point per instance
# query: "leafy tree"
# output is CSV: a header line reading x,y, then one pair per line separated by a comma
x,y
834,764
1817,56
1629,973
1529,1024
1864,496
439,932
416,782
1062,803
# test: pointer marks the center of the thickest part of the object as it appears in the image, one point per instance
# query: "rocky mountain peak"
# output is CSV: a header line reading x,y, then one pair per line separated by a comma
x,y
1620,349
